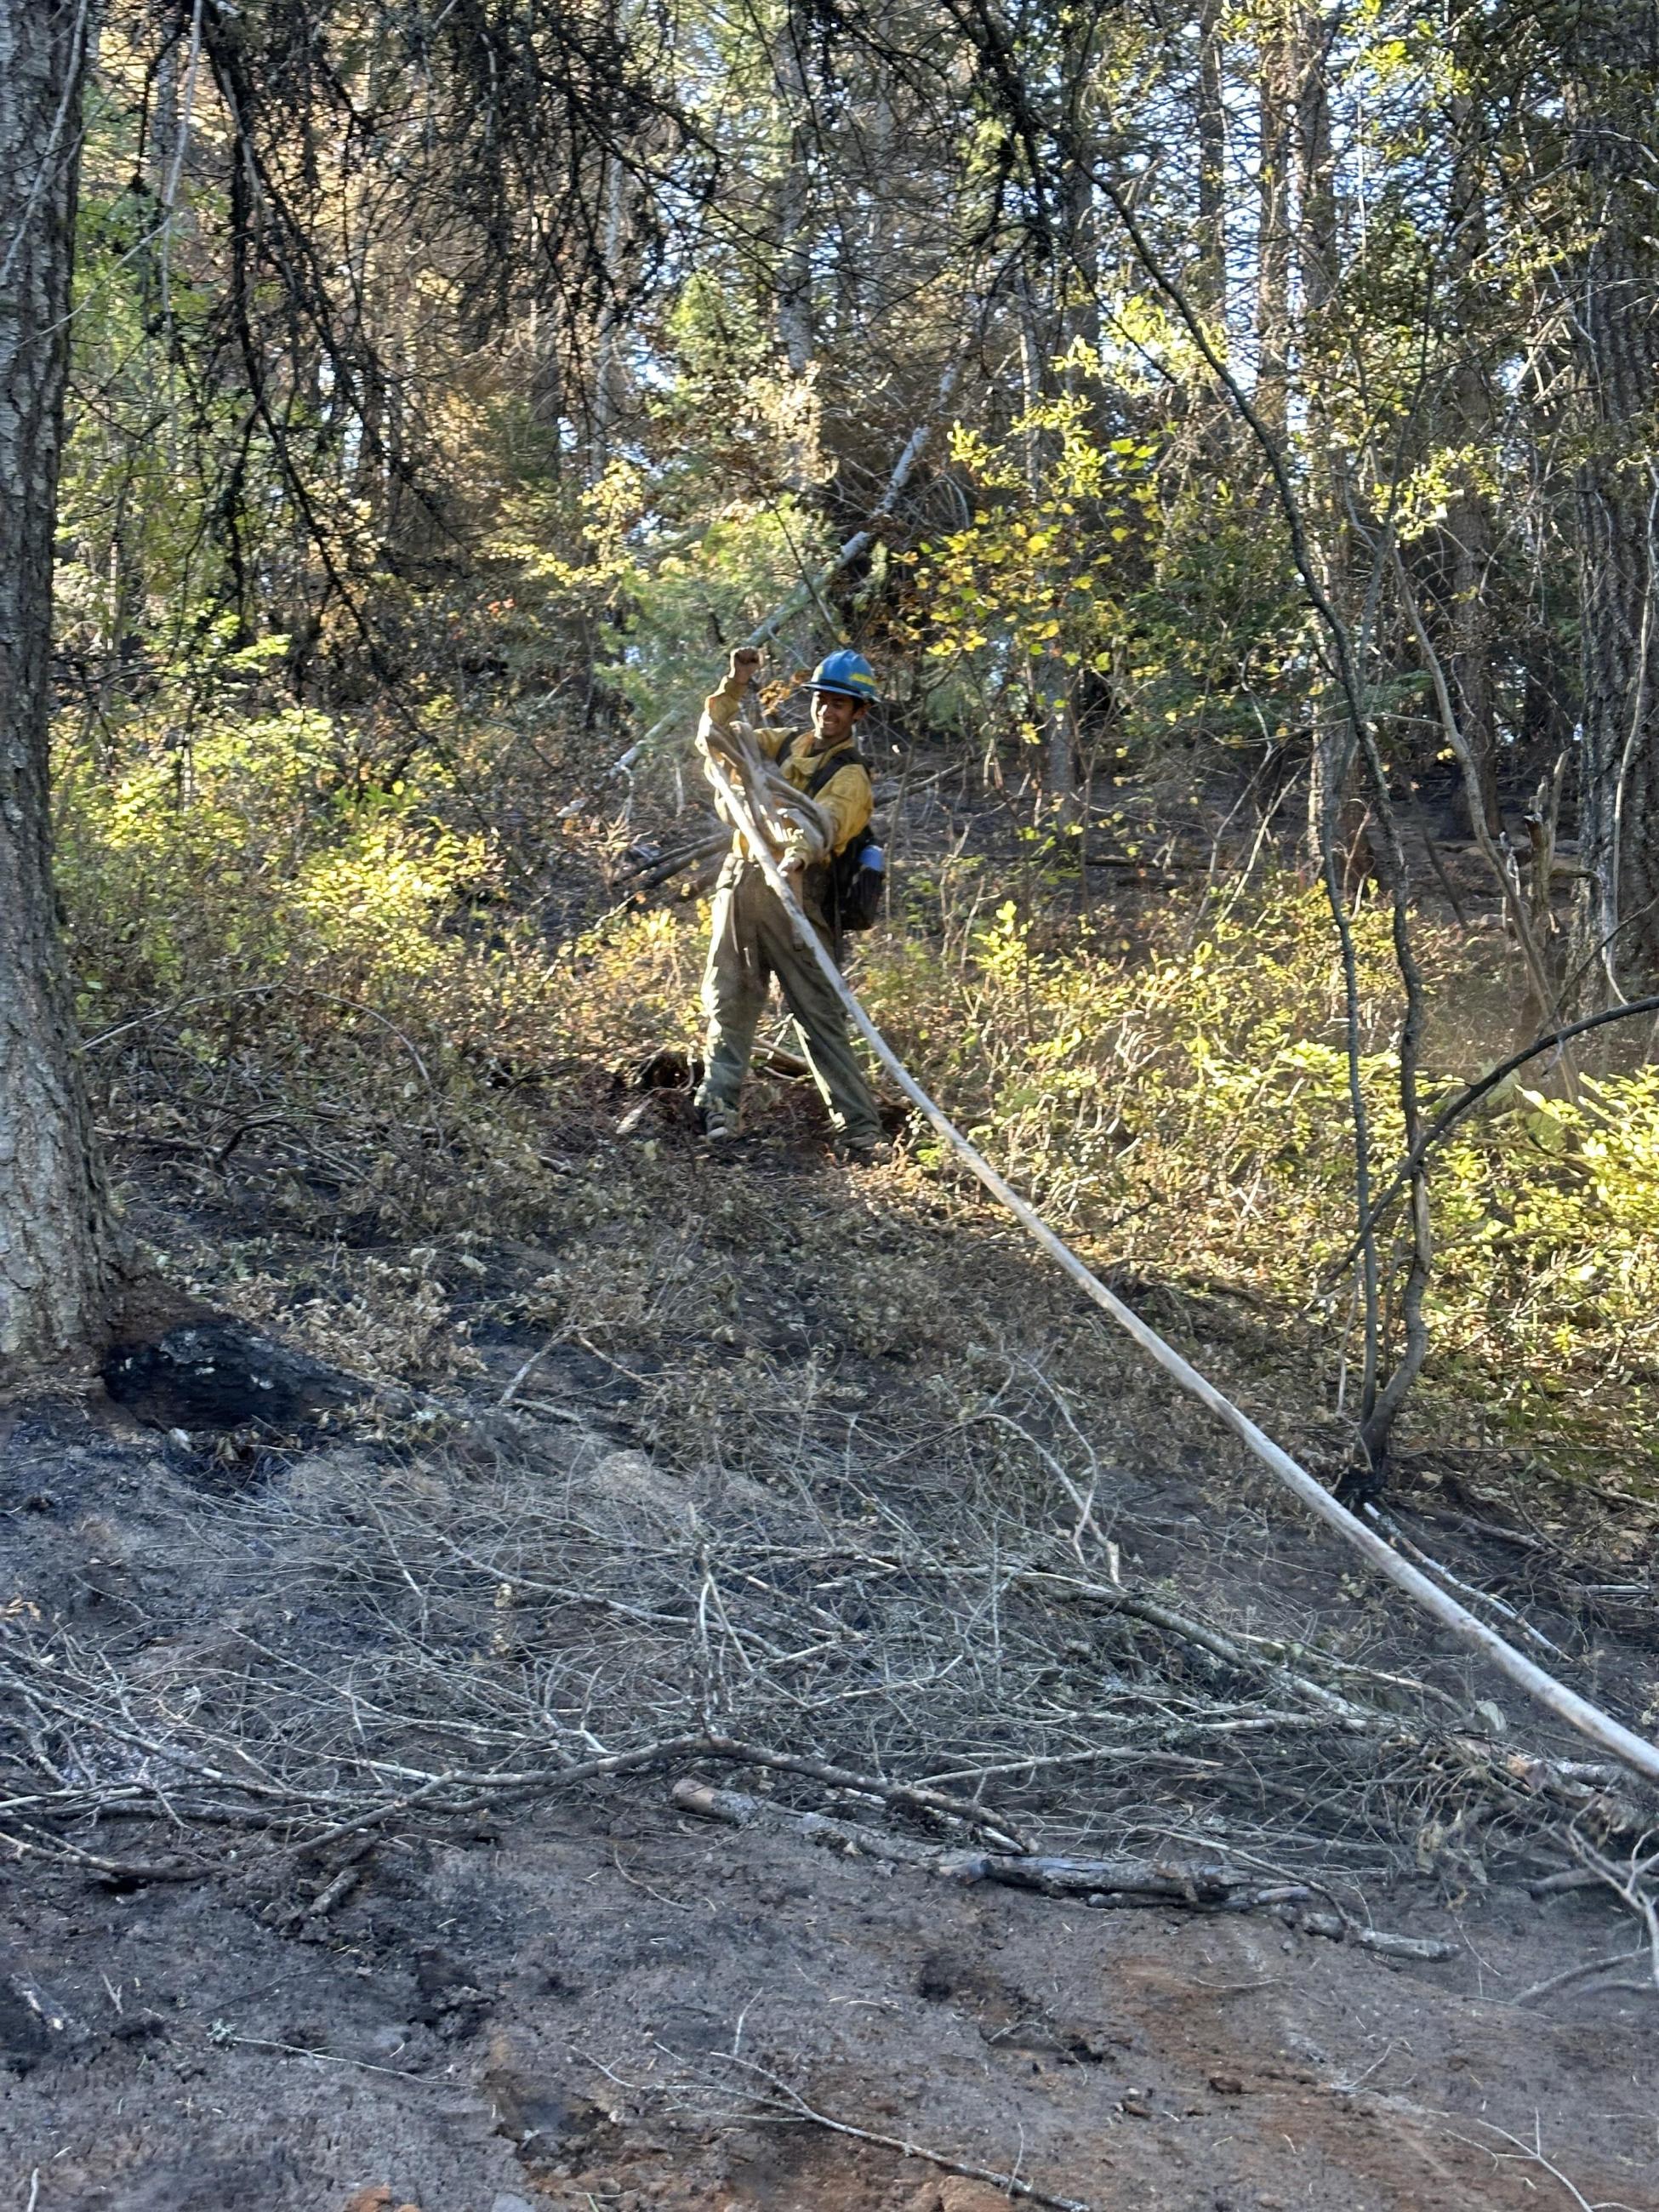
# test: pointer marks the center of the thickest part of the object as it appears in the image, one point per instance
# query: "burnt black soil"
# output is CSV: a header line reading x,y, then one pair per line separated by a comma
x,y
589,2000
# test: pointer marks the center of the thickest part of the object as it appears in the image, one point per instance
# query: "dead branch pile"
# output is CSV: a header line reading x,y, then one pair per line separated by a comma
x,y
369,1640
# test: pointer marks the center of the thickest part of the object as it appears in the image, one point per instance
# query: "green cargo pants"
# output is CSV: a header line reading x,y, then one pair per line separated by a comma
x,y
752,942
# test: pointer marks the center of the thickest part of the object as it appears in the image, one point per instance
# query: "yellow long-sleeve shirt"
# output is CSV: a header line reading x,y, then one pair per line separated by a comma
x,y
845,800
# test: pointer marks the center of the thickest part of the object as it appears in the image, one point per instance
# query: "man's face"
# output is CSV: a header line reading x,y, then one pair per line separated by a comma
x,y
833,716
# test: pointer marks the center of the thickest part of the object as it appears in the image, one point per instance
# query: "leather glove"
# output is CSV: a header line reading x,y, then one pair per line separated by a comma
x,y
801,848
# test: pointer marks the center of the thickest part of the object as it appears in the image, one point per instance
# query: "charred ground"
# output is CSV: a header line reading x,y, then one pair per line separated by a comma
x,y
304,1906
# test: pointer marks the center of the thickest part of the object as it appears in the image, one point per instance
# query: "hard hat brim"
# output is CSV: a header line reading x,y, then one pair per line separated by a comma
x,y
843,691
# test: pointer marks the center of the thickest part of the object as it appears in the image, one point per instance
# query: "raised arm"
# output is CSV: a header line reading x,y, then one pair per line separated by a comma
x,y
721,708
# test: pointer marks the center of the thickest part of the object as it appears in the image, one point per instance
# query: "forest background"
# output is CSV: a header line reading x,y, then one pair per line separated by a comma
x,y
1242,421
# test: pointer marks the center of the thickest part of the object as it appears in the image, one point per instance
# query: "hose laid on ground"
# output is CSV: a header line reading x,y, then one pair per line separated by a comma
x,y
1635,1751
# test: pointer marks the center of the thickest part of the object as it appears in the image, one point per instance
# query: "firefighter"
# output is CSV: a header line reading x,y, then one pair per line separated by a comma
x,y
751,940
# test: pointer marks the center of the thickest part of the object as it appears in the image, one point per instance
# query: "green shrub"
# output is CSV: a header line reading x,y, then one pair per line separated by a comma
x,y
1185,1110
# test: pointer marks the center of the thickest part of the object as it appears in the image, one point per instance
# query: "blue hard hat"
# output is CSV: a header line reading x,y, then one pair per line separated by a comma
x,y
849,673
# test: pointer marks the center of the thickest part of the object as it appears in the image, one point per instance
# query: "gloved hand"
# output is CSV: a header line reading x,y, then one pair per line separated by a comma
x,y
803,837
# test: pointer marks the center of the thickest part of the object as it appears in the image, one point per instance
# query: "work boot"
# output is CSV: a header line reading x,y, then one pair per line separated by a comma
x,y
719,1122
870,1152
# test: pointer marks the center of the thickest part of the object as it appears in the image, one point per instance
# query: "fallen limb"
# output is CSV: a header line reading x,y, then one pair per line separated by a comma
x,y
1122,1880
376,1817
1586,1786
1139,1881
1495,1530
1396,1535
735,1808
1553,1884
1533,2151
1630,1886
346,1879
895,1793
55,1850
459,1791
1266,1658
1151,1882
1585,1971
1342,1928
1127,1880
1219,1644
1054,1877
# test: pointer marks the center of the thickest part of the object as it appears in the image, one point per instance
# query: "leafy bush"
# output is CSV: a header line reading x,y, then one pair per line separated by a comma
x,y
245,855
1186,1111
1548,1285
263,938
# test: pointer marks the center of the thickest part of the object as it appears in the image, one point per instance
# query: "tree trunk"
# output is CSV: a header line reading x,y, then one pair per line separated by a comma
x,y
1276,63
794,301
1471,531
607,400
56,1243
1210,271
1310,214
1078,280
1047,677
1472,535
1612,60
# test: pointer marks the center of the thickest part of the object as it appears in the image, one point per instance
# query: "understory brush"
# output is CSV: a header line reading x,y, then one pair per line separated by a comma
x,y
1184,1108
274,958
343,983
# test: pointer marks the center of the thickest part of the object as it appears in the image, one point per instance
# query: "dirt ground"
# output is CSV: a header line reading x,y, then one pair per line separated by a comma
x,y
593,2000
539,2017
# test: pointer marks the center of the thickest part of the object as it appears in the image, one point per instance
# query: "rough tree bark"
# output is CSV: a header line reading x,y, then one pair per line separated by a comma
x,y
1041,321
606,403
1312,363
57,1263
1275,96
1470,535
794,210
1210,273
1611,52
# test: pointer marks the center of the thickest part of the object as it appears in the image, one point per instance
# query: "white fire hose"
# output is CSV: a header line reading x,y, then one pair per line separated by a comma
x,y
1635,1751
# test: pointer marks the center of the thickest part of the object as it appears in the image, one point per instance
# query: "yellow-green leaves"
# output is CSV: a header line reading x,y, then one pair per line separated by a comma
x,y
1038,575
